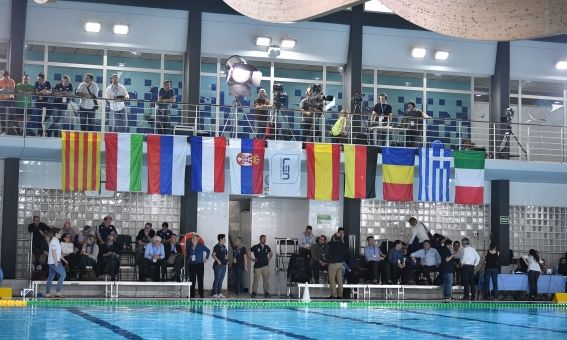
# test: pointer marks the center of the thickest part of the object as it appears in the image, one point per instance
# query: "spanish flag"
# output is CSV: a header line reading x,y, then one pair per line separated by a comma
x,y
323,170
397,172
360,170
80,166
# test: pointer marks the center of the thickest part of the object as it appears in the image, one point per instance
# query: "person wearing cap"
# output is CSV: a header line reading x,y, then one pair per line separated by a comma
x,y
196,258
42,90
174,256
7,90
24,91
154,260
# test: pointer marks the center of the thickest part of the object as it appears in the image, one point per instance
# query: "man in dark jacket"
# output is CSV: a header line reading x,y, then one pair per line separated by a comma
x,y
336,256
173,256
39,245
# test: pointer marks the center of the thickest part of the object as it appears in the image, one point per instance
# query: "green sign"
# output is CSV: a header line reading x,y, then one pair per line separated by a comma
x,y
504,220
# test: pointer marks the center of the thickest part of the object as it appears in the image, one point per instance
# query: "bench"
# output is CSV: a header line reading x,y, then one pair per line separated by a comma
x,y
181,285
355,287
390,290
108,285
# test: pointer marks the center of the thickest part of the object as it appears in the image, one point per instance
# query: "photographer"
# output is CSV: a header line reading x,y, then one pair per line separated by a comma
x,y
261,106
311,106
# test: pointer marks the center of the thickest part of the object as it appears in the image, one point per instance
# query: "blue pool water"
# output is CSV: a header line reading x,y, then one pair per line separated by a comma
x,y
279,323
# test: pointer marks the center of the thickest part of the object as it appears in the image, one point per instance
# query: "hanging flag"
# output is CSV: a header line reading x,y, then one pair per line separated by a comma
x,y
469,177
207,164
397,173
123,161
166,164
246,166
80,166
285,168
360,170
434,172
323,170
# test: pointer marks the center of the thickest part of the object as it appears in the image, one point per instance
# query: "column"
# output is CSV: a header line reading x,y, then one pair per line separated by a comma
x,y
500,218
192,63
352,76
10,217
188,213
500,98
17,38
351,221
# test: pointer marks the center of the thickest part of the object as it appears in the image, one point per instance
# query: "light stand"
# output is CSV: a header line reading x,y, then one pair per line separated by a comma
x,y
275,114
233,115
508,132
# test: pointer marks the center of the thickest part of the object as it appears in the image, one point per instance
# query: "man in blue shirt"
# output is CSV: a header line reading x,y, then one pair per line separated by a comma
x,y
220,255
429,259
196,259
376,262
62,91
154,260
105,229
42,91
397,262
166,97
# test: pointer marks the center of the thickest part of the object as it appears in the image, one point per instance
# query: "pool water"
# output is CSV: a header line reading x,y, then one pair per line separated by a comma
x,y
295,323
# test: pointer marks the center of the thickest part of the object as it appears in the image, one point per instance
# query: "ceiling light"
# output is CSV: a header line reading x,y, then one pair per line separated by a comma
x,y
263,41
288,43
441,55
561,65
418,52
121,64
121,29
44,2
93,27
478,95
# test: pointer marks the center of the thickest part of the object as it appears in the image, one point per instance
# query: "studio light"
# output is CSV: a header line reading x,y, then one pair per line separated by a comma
x,y
121,29
418,52
240,76
288,43
263,41
441,55
93,26
561,65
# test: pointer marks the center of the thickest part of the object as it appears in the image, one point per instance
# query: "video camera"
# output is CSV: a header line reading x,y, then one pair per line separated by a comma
x,y
318,98
508,115
280,96
356,98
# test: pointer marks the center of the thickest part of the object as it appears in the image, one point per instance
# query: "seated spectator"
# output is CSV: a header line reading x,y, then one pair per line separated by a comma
x,y
68,253
154,261
318,257
339,131
165,233
109,260
39,245
429,260
142,239
81,237
88,256
105,229
562,267
306,241
173,256
376,263
397,262
67,229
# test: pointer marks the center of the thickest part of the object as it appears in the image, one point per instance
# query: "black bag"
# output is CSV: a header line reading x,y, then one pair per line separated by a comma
x,y
95,107
299,269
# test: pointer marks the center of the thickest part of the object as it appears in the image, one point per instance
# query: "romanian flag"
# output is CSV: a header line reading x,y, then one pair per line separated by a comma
x,y
323,170
397,172
360,170
80,166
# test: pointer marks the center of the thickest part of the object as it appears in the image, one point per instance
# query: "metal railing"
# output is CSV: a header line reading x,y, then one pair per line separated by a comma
x,y
49,117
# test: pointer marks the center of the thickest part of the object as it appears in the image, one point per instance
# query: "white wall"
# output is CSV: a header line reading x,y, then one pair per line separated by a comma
x,y
542,194
391,49
5,18
226,35
63,23
535,60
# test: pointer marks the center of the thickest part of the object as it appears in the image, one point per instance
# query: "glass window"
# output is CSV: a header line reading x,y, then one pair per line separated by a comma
x,y
542,111
76,75
308,72
368,99
399,98
514,86
75,55
134,59
34,52
449,82
409,79
176,83
173,62
367,76
536,88
2,65
334,73
3,50
443,105
481,84
209,65
207,98
32,71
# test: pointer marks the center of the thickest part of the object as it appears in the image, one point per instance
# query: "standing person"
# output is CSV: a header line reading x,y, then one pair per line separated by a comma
x,y
534,270
419,234
7,91
24,92
105,229
491,270
220,255
154,261
88,91
174,256
239,265
262,256
54,260
376,263
458,252
42,90
166,97
337,255
319,257
306,241
381,115
195,256
413,123
261,114
447,268
62,91
39,246
118,94
307,116
469,260
109,258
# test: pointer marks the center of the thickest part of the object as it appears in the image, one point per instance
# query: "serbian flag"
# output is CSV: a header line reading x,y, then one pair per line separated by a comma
x,y
246,166
80,166
166,164
323,170
123,161
397,173
469,176
360,170
207,164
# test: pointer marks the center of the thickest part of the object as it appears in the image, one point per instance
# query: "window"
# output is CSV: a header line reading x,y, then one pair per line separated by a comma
x,y
449,82
134,59
73,55
313,73
34,52
173,62
407,79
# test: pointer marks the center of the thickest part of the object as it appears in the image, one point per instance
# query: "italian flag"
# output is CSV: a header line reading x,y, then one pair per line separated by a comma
x,y
469,177
123,161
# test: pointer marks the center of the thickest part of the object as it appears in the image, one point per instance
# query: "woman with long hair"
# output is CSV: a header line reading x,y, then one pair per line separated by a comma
x,y
491,270
534,270
54,260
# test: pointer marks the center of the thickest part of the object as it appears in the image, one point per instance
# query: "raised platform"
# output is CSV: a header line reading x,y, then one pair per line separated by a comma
x,y
389,290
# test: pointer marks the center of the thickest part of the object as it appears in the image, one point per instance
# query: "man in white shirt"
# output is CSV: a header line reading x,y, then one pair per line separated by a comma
x,y
469,260
429,260
306,240
118,93
88,91
418,234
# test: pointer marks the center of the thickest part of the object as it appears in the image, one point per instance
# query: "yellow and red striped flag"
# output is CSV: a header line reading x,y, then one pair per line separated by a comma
x,y
323,170
80,161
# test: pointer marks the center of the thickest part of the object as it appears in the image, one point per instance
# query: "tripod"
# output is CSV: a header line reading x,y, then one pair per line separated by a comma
x,y
233,115
276,114
506,139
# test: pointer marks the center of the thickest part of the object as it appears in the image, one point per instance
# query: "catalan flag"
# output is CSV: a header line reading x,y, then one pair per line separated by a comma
x,y
360,170
80,166
397,172
323,170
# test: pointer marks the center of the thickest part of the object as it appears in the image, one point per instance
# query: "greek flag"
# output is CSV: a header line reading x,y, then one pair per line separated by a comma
x,y
434,172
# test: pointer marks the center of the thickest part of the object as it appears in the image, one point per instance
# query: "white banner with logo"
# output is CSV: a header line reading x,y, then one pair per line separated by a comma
x,y
284,176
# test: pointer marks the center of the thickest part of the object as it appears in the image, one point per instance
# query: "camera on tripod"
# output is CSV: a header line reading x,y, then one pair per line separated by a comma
x,y
508,115
280,96
356,98
318,98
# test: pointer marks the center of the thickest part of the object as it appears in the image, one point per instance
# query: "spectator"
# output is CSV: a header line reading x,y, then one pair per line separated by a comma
x,y
239,265
55,262
68,253
105,229
429,260
42,90
7,91
154,261
397,262
88,255
447,267
306,241
24,92
62,91
118,94
419,234
173,256
491,269
337,255
319,257
534,271
142,239
166,97
109,262
196,257
88,91
39,246
67,229
165,233
81,238
562,267
376,263
381,114
339,132
458,252
469,260
261,115
220,255
262,256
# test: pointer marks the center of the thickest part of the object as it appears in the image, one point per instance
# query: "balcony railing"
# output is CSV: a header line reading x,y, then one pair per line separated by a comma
x,y
530,142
